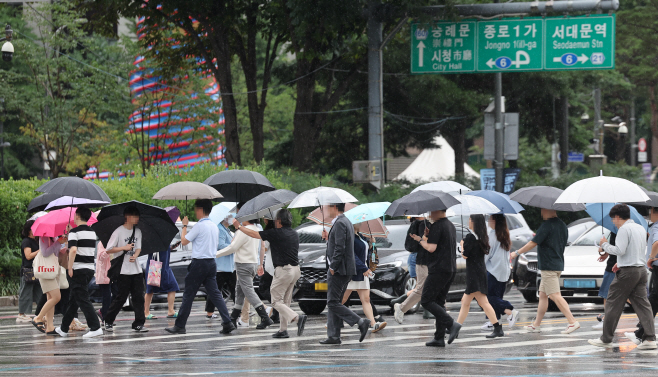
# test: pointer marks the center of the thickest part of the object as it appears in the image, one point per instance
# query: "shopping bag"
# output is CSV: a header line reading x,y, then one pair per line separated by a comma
x,y
155,273
45,267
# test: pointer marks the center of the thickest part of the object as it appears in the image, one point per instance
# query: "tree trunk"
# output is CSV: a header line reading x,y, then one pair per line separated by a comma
x,y
456,138
305,132
223,76
654,125
248,61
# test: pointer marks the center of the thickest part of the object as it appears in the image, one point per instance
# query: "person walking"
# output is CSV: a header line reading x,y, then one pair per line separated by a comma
x,y
498,270
440,242
404,303
266,273
168,285
30,289
361,281
246,250
475,247
81,268
341,266
550,240
284,242
608,277
103,264
50,287
225,268
631,280
126,243
204,237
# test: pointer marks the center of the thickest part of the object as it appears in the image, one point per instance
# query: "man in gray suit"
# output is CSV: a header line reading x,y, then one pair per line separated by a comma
x,y
340,269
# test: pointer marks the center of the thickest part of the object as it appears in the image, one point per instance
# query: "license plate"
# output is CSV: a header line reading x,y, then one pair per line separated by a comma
x,y
579,283
321,287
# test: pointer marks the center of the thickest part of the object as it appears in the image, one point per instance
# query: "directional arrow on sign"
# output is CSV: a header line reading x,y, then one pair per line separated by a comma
x,y
421,47
491,63
522,58
581,59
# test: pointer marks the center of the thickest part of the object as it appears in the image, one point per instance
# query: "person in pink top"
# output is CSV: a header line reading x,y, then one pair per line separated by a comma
x,y
102,267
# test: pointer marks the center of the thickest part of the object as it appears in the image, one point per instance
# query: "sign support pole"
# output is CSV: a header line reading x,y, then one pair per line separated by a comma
x,y
632,134
375,93
564,134
499,133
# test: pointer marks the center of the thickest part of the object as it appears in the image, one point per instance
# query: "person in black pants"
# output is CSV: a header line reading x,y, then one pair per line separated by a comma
x,y
440,242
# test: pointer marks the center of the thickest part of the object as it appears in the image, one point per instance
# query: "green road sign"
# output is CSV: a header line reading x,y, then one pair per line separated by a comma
x,y
514,44
580,43
510,45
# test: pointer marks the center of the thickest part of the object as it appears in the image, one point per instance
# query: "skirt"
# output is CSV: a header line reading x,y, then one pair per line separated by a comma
x,y
354,285
48,285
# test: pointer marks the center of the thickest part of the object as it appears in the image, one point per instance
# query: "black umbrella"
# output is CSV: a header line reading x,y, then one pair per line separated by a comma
x,y
265,204
75,187
157,227
41,202
544,197
653,199
239,185
421,202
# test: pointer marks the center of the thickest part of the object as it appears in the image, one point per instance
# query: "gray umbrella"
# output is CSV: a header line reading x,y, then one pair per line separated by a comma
x,y
239,185
75,187
544,197
653,199
421,202
187,190
265,204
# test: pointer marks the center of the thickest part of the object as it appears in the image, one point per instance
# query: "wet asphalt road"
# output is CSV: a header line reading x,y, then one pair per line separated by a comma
x,y
397,350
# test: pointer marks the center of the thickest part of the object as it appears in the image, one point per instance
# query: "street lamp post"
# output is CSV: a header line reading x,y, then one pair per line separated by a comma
x,y
7,54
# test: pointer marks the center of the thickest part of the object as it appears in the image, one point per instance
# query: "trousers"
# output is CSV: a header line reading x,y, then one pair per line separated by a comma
x,y
435,292
201,271
336,311
27,294
283,284
222,278
132,285
79,298
244,288
416,294
496,291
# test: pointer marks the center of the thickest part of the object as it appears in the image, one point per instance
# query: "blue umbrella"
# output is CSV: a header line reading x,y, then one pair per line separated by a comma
x,y
600,213
367,212
502,201
221,211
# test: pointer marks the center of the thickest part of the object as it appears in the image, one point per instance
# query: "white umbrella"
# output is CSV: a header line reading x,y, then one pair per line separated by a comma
x,y
472,205
322,196
187,190
449,187
603,189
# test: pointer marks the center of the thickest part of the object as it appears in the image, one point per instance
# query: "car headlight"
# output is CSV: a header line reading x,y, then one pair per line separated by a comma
x,y
396,263
523,260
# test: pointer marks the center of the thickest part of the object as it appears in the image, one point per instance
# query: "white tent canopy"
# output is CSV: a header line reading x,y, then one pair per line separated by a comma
x,y
434,164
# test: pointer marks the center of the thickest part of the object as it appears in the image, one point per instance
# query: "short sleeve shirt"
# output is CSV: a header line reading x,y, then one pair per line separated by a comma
x,y
551,239
204,237
444,258
121,237
284,245
33,245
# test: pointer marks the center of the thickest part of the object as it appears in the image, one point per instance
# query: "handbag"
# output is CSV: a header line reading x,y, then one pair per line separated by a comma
x,y
155,273
373,258
46,267
63,280
28,274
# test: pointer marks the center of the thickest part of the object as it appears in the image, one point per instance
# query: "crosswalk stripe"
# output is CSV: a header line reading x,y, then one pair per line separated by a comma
x,y
528,343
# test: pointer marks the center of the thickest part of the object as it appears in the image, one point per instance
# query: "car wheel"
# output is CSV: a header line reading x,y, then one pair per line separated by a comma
x,y
408,284
530,296
312,307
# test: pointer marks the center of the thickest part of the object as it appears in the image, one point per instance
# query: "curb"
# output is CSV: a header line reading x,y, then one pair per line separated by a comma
x,y
8,300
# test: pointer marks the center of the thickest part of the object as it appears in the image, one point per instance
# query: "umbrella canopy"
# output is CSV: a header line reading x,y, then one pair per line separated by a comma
x,y
366,212
264,204
221,211
157,227
321,216
421,202
41,202
653,199
445,186
374,228
603,189
69,201
544,197
321,196
600,213
239,185
75,187
187,190
53,224
37,215
472,205
173,212
500,200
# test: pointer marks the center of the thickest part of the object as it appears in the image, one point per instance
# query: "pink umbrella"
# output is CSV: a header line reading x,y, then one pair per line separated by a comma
x,y
54,223
375,228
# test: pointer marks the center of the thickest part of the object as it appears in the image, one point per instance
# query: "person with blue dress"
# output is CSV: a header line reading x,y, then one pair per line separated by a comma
x,y
168,285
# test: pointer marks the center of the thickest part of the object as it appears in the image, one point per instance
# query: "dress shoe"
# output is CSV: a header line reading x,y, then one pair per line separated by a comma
x,y
364,326
175,330
227,328
301,322
436,343
497,332
454,332
331,341
280,334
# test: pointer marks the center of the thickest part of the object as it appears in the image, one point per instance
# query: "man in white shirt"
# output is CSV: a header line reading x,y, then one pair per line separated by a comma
x,y
126,243
631,280
204,238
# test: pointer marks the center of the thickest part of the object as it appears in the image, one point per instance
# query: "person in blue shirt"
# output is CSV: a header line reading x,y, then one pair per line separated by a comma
x,y
204,238
225,268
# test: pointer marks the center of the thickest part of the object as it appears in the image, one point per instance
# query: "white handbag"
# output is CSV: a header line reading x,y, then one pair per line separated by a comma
x,y
46,267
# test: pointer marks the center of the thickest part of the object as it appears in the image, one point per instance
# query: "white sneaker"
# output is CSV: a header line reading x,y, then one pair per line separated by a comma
x,y
512,318
598,326
61,333
213,316
243,324
532,328
647,345
571,328
378,326
23,319
631,336
92,334
599,343
486,327
399,314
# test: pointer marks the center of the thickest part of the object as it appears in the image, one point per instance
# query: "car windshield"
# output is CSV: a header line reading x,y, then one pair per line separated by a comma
x,y
592,237
310,234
